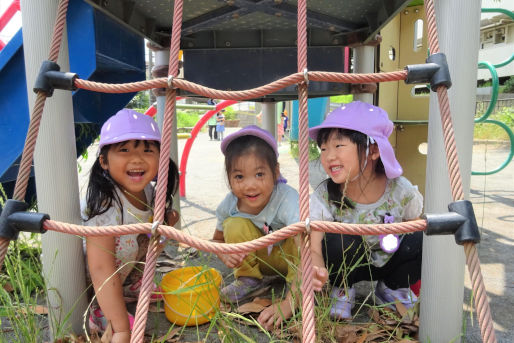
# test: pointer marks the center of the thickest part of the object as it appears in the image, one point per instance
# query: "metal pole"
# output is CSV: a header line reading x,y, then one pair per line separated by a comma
x,y
55,164
269,118
364,62
442,284
162,58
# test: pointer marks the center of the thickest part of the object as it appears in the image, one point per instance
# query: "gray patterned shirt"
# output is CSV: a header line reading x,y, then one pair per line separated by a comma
x,y
401,199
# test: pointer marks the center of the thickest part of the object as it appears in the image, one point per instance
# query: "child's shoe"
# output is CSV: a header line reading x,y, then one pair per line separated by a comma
x,y
98,322
387,296
241,288
343,302
134,289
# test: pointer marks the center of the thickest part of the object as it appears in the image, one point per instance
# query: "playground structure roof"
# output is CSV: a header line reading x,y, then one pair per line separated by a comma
x,y
207,24
221,39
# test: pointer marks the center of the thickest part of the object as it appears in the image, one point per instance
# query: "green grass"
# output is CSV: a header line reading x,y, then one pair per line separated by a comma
x,y
341,99
22,270
187,118
488,131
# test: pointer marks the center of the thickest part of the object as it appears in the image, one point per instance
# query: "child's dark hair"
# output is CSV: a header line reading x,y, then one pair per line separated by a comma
x,y
250,144
335,195
101,191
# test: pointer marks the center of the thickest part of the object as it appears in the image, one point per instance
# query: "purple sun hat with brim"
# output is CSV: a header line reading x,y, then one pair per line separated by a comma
x,y
128,124
250,130
370,120
253,130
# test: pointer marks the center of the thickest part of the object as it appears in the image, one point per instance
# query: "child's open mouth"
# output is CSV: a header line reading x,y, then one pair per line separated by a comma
x,y
252,197
136,174
336,169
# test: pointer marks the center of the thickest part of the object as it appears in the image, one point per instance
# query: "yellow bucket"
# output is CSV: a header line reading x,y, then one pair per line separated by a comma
x,y
191,295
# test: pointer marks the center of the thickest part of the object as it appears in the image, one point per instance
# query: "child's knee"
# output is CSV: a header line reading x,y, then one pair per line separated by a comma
x,y
236,229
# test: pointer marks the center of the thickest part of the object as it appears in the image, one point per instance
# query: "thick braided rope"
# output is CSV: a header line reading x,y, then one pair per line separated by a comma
x,y
472,260
4,246
162,182
308,320
27,156
243,94
264,241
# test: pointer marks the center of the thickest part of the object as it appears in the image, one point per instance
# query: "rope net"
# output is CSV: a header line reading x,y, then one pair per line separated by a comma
x,y
302,77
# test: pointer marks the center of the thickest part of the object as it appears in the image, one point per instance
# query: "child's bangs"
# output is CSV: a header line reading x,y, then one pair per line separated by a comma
x,y
137,142
338,133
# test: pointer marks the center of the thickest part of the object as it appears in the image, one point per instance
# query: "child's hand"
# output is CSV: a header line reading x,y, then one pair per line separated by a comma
x,y
172,217
275,314
232,260
121,337
320,277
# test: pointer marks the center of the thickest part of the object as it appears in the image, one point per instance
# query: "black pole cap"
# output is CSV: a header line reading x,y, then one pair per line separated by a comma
x,y
62,80
420,73
468,231
11,206
42,84
435,72
28,221
442,76
443,224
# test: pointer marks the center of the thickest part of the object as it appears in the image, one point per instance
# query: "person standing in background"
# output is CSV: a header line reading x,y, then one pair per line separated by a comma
x,y
212,123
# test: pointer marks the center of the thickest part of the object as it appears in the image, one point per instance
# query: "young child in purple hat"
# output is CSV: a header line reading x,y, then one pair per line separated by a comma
x,y
259,202
364,186
120,191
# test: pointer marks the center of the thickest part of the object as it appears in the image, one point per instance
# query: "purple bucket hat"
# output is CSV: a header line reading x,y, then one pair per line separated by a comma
x,y
370,120
250,130
126,125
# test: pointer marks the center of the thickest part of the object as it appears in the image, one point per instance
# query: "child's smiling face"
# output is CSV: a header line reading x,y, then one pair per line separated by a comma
x,y
132,166
251,180
339,158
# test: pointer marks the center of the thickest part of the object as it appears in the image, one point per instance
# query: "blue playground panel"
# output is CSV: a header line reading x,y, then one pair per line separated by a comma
x,y
317,108
100,49
14,110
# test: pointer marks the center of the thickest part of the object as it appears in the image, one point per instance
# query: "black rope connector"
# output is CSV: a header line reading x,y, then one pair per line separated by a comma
x,y
14,219
443,224
50,77
435,71
460,221
468,231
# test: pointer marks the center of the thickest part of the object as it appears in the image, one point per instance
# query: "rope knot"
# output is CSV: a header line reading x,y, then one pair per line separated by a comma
x,y
170,82
306,76
308,225
153,231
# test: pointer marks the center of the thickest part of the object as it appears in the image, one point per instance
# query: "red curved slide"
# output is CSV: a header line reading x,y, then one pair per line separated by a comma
x,y
189,142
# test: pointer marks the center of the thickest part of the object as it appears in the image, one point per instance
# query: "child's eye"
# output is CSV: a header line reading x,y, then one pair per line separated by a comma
x,y
123,150
340,145
238,177
149,150
259,174
323,149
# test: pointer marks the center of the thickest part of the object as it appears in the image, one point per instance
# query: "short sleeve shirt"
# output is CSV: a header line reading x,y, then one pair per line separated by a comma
x,y
282,209
401,200
126,246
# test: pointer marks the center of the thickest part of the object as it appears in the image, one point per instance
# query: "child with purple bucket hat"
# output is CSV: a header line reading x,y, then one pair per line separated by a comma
x,y
259,203
364,186
121,191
